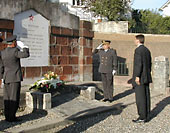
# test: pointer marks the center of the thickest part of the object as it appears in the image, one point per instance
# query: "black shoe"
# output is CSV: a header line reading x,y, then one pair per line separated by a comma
x,y
138,120
109,100
13,120
146,120
16,119
105,100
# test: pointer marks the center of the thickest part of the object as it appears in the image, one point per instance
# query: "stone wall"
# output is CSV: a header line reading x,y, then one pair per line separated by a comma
x,y
111,26
51,11
70,48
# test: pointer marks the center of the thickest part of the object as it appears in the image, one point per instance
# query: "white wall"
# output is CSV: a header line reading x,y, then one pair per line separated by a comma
x,y
111,27
166,11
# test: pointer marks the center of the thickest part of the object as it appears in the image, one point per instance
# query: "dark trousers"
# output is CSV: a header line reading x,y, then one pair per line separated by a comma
x,y
11,99
142,93
107,80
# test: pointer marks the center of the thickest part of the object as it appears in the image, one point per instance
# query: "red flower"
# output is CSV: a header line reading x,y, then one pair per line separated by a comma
x,y
46,85
58,84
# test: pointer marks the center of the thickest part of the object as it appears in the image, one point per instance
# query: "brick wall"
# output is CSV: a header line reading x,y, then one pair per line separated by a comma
x,y
70,52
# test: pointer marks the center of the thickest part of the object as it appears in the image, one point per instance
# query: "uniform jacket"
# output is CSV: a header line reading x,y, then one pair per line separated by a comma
x,y
10,68
108,60
142,65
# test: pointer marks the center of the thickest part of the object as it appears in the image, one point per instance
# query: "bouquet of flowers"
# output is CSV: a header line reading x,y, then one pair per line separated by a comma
x,y
48,83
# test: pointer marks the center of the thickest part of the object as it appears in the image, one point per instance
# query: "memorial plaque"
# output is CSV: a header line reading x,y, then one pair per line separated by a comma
x,y
33,30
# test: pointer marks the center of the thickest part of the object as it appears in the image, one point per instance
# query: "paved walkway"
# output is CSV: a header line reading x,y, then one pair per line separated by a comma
x,y
67,108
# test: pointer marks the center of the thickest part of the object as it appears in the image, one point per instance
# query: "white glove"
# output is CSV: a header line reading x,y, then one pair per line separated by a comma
x,y
100,46
20,45
113,72
25,47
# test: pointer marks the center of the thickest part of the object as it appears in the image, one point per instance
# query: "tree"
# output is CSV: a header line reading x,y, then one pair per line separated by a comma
x,y
113,10
150,22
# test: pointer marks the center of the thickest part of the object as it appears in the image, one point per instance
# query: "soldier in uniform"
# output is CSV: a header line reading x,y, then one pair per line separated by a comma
x,y
10,72
107,68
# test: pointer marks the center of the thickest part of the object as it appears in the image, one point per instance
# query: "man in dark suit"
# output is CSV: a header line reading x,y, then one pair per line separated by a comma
x,y
107,68
10,72
142,78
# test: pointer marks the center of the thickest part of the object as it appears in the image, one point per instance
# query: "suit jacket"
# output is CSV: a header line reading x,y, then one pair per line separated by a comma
x,y
10,67
108,60
142,65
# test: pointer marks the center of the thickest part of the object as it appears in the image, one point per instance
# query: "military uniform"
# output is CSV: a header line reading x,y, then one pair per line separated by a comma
x,y
108,63
10,72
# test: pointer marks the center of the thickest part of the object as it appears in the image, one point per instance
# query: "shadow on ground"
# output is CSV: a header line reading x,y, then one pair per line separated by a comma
x,y
123,94
37,114
81,125
160,107
70,92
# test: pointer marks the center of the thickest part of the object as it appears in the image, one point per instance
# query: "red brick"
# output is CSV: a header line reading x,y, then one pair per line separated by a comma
x,y
66,77
75,51
67,70
3,35
7,24
86,33
55,50
58,70
53,60
73,60
91,34
56,30
52,39
75,33
63,77
46,69
75,69
91,43
52,51
87,69
82,61
89,60
2,46
33,72
62,40
65,50
85,24
87,51
9,34
23,71
82,41
62,60
66,31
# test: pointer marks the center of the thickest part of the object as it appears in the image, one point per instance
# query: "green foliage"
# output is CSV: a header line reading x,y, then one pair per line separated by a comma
x,y
150,22
113,10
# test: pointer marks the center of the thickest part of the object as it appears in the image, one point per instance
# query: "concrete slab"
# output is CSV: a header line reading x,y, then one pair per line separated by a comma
x,y
68,108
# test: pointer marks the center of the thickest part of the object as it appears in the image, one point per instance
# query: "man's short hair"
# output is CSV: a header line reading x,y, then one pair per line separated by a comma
x,y
141,38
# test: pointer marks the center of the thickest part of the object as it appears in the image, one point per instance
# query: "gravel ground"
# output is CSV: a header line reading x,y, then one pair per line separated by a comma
x,y
120,121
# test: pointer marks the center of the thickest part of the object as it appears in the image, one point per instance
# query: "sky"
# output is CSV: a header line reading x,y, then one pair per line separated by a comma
x,y
148,4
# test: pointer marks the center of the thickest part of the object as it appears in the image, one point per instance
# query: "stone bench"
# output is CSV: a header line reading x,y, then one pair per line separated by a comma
x,y
38,100
88,93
